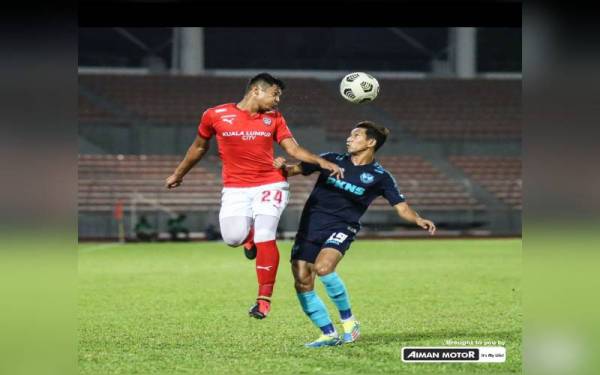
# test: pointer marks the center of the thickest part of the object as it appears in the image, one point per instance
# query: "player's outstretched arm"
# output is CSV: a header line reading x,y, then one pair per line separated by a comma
x,y
193,155
289,170
408,214
296,151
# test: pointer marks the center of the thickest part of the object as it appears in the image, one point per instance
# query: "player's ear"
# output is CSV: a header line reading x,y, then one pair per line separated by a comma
x,y
253,90
371,142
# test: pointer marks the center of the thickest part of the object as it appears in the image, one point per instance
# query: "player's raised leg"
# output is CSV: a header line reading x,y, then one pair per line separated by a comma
x,y
235,229
314,308
235,216
325,265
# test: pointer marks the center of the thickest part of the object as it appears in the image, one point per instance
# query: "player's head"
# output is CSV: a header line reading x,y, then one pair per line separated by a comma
x,y
265,90
366,135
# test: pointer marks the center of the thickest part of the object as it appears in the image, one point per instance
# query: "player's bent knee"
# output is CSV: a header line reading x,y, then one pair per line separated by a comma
x,y
234,240
303,287
323,269
233,243
303,283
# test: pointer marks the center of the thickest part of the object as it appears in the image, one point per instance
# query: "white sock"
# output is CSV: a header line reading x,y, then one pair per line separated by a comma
x,y
349,319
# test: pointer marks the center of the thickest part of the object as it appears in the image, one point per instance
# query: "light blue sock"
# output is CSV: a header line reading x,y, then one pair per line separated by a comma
x,y
315,309
336,290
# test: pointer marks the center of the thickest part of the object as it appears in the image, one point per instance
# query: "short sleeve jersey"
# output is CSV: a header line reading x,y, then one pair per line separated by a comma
x,y
335,202
245,143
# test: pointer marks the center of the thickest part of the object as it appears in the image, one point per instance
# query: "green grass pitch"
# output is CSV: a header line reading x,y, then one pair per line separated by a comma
x,y
168,308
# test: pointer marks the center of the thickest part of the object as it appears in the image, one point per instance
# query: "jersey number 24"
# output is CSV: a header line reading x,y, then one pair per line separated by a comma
x,y
272,195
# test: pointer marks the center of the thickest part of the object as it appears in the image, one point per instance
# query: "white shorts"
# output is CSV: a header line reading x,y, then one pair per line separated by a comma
x,y
268,200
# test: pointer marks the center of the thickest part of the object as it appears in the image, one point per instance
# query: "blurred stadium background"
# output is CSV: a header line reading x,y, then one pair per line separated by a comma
x,y
451,97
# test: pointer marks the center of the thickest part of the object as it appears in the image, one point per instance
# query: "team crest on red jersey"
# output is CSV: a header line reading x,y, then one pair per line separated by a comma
x,y
267,121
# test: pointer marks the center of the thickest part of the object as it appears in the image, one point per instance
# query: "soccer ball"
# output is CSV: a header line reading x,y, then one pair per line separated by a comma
x,y
359,87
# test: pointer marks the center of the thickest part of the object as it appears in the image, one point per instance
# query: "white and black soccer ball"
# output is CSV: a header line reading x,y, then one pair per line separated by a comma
x,y
359,87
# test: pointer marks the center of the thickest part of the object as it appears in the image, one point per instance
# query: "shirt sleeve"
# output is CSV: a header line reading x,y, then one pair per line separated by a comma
x,y
308,168
205,128
281,130
391,192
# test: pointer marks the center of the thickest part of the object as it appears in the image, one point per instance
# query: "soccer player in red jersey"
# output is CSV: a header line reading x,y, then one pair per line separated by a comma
x,y
254,193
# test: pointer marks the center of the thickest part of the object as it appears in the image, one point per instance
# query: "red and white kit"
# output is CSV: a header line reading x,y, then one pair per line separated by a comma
x,y
252,186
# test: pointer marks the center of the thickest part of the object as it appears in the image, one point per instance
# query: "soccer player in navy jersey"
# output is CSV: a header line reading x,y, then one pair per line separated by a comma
x,y
330,221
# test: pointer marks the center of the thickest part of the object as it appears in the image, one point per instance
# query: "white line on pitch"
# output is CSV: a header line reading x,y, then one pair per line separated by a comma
x,y
99,247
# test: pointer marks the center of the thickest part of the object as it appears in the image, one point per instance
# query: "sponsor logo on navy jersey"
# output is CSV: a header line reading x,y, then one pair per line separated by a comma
x,y
344,185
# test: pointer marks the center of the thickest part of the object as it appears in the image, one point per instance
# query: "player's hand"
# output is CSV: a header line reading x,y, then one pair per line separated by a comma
x,y
426,224
335,169
279,163
173,181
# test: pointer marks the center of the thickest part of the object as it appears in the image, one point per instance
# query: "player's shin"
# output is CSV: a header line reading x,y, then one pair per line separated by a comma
x,y
336,290
267,262
316,311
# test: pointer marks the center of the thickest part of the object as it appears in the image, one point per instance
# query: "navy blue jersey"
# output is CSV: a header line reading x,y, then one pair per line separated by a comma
x,y
334,203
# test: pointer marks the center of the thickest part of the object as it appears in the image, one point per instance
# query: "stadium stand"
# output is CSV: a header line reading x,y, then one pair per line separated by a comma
x,y
499,175
105,179
164,99
181,100
442,109
426,187
450,109
91,113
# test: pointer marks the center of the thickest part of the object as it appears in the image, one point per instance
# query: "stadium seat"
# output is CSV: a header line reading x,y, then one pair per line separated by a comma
x,y
499,175
438,109
105,179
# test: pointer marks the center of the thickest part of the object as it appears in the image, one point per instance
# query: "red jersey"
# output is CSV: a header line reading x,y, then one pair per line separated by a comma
x,y
245,143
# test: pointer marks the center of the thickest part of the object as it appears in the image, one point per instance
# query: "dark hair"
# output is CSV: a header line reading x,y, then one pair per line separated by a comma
x,y
374,131
266,78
